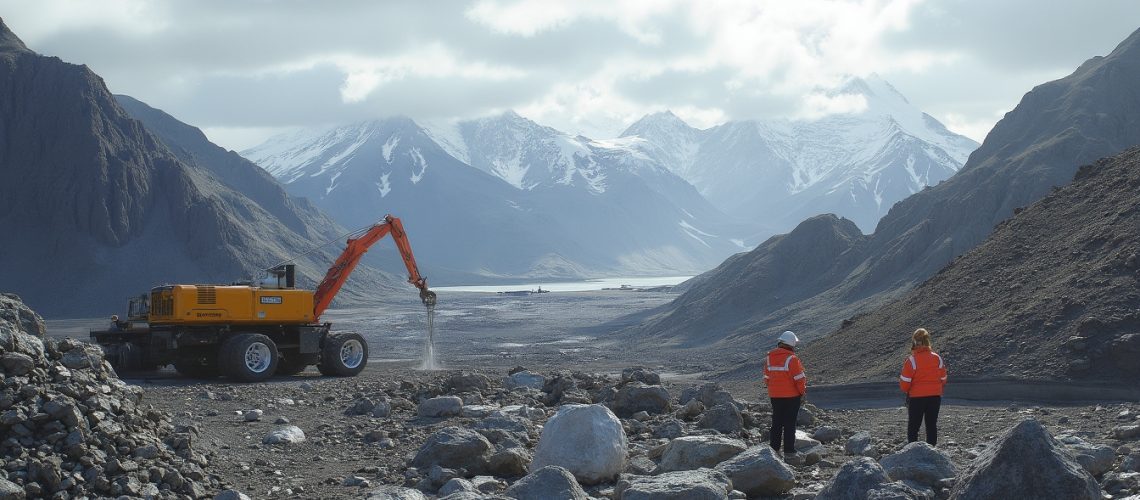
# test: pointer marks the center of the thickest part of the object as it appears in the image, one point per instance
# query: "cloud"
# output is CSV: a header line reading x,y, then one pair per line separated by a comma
x,y
587,66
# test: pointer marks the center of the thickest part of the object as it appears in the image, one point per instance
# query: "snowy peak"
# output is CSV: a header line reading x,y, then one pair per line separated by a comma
x,y
660,123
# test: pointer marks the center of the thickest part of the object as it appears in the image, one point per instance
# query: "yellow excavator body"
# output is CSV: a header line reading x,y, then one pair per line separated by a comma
x,y
236,305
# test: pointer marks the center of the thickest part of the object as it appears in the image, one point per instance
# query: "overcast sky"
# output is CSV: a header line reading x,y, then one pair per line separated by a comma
x,y
243,70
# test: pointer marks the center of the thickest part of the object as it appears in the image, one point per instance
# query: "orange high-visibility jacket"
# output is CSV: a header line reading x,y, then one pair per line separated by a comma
x,y
784,374
923,373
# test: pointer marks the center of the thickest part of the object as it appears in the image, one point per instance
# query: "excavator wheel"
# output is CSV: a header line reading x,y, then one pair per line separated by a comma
x,y
291,364
249,357
343,355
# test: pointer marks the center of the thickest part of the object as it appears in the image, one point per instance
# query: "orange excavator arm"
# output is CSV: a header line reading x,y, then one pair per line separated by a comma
x,y
355,249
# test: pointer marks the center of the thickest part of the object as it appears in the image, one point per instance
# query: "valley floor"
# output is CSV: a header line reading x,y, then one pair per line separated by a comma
x,y
546,334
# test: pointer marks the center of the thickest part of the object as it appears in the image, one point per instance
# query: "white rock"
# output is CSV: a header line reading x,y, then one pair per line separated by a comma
x,y
443,406
587,440
287,434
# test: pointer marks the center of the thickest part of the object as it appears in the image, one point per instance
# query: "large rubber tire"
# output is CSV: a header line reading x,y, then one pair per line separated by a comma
x,y
343,355
197,367
249,357
291,364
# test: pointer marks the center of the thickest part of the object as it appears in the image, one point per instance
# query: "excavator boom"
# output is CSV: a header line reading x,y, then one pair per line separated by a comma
x,y
355,249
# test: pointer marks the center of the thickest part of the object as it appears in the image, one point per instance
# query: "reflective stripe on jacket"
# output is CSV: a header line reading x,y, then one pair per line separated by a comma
x,y
923,373
784,374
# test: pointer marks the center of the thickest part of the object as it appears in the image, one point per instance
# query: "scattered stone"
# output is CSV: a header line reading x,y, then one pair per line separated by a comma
x,y
806,416
587,440
395,493
636,396
700,484
456,485
231,495
286,435
861,444
693,409
864,478
511,462
362,406
468,382
723,418
454,447
547,483
281,421
692,452
826,434
1025,462
671,429
919,462
757,471
1097,459
1126,432
443,406
252,415
639,374
524,380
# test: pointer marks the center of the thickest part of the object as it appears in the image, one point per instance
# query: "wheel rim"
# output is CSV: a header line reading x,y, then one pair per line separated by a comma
x,y
351,353
258,357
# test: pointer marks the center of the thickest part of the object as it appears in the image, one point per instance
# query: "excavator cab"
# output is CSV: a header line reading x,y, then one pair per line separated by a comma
x,y
139,308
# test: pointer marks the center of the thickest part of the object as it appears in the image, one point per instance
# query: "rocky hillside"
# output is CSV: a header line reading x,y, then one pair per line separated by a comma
x,y
96,208
1052,293
1057,126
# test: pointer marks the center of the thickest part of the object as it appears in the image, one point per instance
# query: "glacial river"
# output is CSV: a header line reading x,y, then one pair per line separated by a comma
x,y
571,286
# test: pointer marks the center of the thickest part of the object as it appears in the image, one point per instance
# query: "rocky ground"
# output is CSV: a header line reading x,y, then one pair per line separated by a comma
x,y
487,428
349,450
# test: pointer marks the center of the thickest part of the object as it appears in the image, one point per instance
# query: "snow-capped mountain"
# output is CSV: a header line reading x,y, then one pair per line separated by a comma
x,y
504,196
856,165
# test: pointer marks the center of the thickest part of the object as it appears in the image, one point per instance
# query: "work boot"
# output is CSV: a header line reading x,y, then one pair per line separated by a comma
x,y
795,459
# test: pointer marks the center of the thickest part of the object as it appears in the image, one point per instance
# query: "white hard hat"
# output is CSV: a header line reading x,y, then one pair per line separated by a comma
x,y
789,338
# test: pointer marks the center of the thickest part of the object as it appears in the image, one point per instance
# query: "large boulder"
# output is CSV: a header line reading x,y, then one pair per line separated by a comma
x,y
547,483
864,478
587,440
1126,432
454,448
1025,462
693,452
723,418
524,379
636,396
10,490
919,462
757,471
443,406
700,484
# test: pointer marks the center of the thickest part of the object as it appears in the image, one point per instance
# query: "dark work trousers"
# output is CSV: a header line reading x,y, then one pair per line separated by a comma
x,y
920,409
784,413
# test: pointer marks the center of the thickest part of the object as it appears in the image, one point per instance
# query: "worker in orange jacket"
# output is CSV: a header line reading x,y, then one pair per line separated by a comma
x,y
787,385
922,379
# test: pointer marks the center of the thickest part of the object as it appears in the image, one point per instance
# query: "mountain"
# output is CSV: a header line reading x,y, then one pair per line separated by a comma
x,y
1056,127
96,208
1050,294
505,197
854,164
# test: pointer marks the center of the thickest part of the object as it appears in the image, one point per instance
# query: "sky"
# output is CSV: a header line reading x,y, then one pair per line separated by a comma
x,y
245,70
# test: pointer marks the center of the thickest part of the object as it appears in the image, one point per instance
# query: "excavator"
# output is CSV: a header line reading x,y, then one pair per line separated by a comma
x,y
250,331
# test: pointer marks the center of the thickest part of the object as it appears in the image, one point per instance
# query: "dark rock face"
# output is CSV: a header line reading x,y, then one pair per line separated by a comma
x,y
113,208
812,284
1063,268
864,478
548,482
1025,462
455,447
